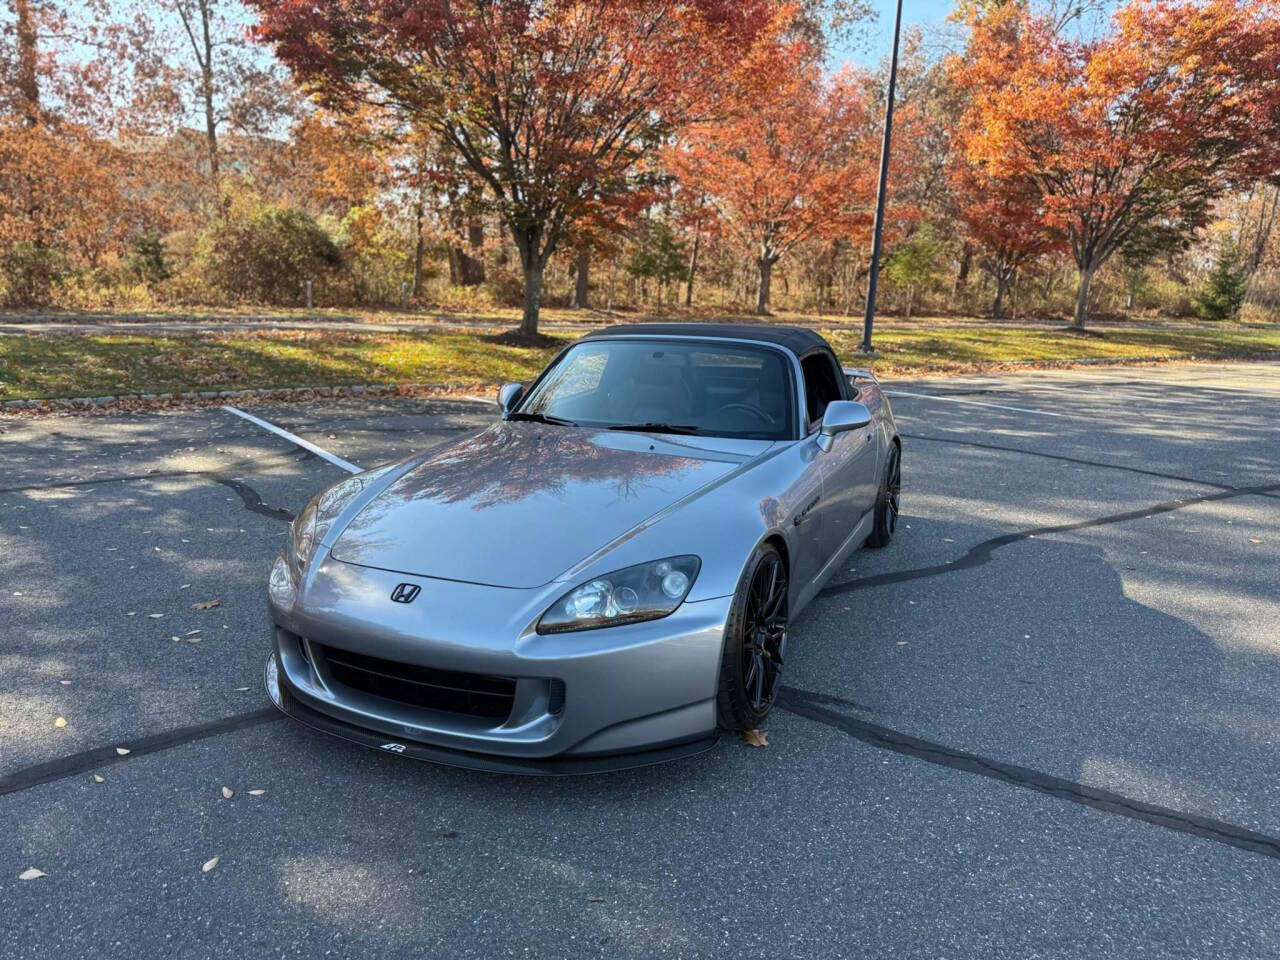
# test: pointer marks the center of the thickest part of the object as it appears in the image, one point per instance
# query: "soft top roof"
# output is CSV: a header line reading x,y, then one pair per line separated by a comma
x,y
796,339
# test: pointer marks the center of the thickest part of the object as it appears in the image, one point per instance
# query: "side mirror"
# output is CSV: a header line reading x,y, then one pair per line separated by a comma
x,y
509,395
842,415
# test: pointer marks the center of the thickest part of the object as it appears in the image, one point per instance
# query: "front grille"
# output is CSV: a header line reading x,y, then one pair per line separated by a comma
x,y
472,694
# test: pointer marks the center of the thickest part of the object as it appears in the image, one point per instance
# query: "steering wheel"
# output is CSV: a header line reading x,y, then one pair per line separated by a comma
x,y
748,408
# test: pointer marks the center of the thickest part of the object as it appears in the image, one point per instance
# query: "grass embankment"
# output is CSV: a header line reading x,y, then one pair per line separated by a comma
x,y
76,365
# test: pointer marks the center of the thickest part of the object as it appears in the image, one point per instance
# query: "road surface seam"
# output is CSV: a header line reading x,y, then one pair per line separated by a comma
x,y
805,704
980,554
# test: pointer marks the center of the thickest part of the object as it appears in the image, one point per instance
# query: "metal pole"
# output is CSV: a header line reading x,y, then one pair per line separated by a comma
x,y
878,227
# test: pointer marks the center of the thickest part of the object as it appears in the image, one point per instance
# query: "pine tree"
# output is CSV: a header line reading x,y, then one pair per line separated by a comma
x,y
1225,287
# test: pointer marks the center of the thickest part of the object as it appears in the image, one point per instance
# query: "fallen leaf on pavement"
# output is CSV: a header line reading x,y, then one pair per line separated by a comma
x,y
209,865
206,604
755,738
32,874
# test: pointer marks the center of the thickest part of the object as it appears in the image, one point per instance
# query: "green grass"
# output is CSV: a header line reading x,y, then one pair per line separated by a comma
x,y
69,365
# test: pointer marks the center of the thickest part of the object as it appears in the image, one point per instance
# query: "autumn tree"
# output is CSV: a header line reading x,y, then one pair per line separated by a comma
x,y
1147,124
550,103
231,83
1004,219
785,163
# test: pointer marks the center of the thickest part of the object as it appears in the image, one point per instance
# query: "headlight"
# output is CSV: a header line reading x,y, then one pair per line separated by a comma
x,y
303,539
643,592
281,585
311,525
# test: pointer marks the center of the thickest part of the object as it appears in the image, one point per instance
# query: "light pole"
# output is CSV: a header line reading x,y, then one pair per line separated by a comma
x,y
878,226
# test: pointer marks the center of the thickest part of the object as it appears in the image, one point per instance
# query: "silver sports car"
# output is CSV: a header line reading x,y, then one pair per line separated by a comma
x,y
604,576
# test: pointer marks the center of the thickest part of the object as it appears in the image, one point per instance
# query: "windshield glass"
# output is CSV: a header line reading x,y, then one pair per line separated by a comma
x,y
721,390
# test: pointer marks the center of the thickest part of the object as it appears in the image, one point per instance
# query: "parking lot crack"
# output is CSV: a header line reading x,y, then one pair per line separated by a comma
x,y
816,707
252,500
981,554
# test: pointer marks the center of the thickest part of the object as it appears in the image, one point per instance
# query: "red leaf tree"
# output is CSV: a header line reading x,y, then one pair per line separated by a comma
x,y
1144,127
1005,219
787,162
551,103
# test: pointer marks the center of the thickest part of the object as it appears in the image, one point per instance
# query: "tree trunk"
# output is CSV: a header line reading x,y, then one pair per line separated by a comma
x,y
419,248
1082,298
28,86
766,279
997,307
206,92
966,262
581,281
693,268
532,297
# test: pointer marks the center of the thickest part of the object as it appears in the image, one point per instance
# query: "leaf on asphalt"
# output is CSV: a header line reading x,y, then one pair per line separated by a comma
x,y
122,751
206,605
227,793
32,874
97,778
256,793
755,738
60,722
209,865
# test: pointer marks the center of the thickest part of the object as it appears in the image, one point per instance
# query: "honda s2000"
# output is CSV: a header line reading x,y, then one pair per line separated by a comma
x,y
604,576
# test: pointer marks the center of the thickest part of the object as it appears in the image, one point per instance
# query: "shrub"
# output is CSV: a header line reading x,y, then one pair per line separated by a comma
x,y
146,260
266,256
28,274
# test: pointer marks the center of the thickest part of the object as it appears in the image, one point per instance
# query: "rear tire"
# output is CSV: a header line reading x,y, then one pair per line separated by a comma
x,y
887,500
755,642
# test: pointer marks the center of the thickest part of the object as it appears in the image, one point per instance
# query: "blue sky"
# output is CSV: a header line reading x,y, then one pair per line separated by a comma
x,y
929,15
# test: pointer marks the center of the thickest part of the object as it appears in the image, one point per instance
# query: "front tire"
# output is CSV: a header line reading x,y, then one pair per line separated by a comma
x,y
887,500
755,642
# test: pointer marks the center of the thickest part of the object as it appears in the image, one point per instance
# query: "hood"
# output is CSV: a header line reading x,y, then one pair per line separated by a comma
x,y
520,503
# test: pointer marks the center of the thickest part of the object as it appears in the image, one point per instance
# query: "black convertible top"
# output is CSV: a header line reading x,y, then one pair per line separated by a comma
x,y
796,339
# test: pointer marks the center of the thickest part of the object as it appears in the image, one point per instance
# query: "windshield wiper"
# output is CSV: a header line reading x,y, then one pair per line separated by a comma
x,y
542,418
658,427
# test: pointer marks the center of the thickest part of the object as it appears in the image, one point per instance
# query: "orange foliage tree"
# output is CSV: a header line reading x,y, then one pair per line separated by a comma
x,y
1144,127
1005,220
550,103
787,162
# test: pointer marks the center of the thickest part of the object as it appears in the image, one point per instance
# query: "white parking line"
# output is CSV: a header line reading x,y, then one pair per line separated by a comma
x,y
295,439
979,403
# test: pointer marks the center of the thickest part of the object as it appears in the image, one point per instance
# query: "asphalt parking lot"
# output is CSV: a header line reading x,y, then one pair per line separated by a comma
x,y
1045,722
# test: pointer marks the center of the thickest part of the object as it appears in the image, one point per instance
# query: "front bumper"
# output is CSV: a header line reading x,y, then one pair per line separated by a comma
x,y
582,702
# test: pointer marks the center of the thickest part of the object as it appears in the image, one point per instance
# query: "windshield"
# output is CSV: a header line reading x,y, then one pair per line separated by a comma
x,y
668,386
